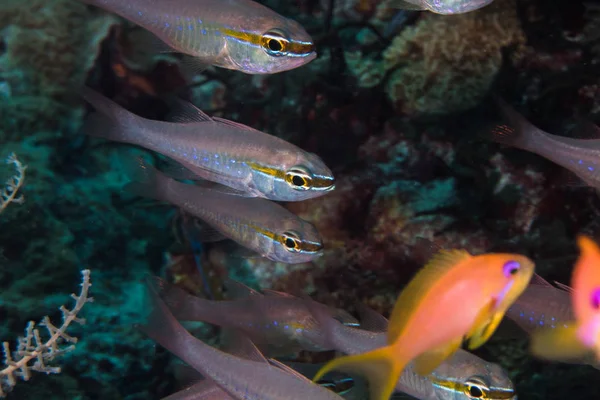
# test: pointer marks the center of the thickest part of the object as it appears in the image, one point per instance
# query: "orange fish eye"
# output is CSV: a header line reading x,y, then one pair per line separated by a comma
x,y
275,43
595,299
510,268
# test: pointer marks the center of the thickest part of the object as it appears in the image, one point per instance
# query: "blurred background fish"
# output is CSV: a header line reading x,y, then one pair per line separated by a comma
x,y
579,338
235,34
580,156
219,150
442,6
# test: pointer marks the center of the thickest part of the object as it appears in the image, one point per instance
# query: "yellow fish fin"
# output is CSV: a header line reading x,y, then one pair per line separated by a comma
x,y
382,367
418,287
485,325
430,360
558,344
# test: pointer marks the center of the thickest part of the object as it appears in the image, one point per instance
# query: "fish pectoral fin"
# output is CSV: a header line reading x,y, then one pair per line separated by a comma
x,y
382,367
430,360
484,326
405,5
558,344
203,232
189,65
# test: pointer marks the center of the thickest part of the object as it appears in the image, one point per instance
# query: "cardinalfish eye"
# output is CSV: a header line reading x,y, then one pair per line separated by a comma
x,y
291,241
275,43
595,299
299,178
511,268
476,389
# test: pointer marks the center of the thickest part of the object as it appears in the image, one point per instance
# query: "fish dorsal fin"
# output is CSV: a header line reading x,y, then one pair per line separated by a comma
x,y
418,287
564,287
586,129
185,112
234,124
539,281
405,5
275,293
289,370
239,345
371,320
237,290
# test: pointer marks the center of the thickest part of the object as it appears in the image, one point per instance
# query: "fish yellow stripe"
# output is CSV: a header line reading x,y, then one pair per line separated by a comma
x,y
316,183
460,387
291,48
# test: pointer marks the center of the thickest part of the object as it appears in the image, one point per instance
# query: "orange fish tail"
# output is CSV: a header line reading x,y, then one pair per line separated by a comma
x,y
382,367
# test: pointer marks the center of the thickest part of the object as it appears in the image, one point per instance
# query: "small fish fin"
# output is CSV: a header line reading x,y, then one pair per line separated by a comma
x,y
237,290
405,5
186,375
410,297
110,121
185,112
564,287
289,370
203,232
190,66
145,40
425,363
485,325
234,124
181,303
382,367
147,181
511,133
217,187
178,171
371,320
275,293
558,344
240,345
539,281
585,129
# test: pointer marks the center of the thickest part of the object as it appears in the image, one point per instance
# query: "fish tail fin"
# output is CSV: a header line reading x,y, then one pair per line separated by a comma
x,y
515,131
111,121
184,306
382,367
159,324
558,344
146,181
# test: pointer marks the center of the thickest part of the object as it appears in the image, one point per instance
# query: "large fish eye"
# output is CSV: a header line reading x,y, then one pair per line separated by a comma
x,y
291,241
511,268
475,390
275,43
299,178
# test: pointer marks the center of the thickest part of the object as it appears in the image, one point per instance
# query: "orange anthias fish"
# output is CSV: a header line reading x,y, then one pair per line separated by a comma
x,y
455,296
581,337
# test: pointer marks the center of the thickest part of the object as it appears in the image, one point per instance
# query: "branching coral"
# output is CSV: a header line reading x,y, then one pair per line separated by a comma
x,y
10,194
446,64
50,47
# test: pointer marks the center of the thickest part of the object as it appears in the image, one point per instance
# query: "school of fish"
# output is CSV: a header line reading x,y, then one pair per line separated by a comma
x,y
227,176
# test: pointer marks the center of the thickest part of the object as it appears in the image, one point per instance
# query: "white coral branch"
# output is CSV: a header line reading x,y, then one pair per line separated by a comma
x,y
10,193
32,348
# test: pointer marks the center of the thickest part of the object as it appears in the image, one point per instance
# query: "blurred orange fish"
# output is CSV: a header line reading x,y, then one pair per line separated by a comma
x,y
581,337
455,296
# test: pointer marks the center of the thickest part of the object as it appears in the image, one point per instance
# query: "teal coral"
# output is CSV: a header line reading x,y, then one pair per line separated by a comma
x,y
50,48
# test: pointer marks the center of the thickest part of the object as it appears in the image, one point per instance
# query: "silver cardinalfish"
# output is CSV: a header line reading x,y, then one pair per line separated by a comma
x,y
274,319
257,224
249,378
234,34
441,6
463,376
222,151
580,156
